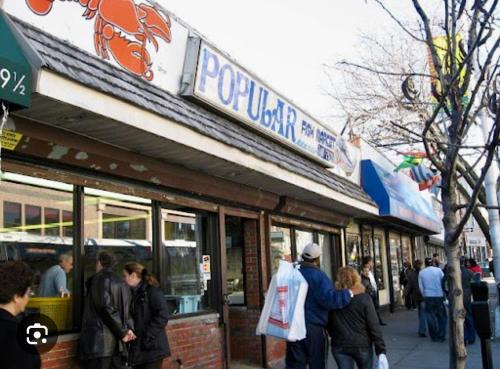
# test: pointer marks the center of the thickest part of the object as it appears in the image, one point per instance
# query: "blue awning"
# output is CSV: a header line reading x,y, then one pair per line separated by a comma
x,y
398,197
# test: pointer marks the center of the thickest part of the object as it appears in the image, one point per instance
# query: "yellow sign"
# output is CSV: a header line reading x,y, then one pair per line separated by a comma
x,y
10,139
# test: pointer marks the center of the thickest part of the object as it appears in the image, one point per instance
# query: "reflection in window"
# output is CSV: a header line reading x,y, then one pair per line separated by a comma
x,y
188,268
379,266
406,249
49,257
119,224
235,246
302,238
367,242
33,219
11,214
395,247
281,246
324,241
67,223
353,251
52,223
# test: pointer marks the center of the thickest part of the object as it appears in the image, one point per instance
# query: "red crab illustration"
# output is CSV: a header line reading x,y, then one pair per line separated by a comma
x,y
114,20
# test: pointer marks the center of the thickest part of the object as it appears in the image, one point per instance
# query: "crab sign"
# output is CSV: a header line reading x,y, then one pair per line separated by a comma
x,y
121,29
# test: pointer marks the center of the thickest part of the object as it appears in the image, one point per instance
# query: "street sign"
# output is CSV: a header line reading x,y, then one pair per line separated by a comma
x,y
15,70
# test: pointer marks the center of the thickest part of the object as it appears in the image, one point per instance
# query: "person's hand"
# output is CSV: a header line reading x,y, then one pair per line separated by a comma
x,y
129,336
358,289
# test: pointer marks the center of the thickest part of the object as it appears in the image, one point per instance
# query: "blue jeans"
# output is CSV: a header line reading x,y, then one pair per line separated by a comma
x,y
422,328
435,313
469,330
346,357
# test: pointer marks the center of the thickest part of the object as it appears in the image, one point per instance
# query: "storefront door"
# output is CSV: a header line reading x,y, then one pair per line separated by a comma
x,y
241,287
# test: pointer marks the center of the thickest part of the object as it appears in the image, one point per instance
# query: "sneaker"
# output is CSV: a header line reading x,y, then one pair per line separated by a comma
x,y
382,323
422,335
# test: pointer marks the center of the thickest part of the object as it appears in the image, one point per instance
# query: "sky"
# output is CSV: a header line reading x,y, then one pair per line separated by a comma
x,y
287,42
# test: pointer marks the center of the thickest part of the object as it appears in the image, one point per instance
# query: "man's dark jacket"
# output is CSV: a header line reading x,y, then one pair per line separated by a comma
x,y
106,316
150,313
12,355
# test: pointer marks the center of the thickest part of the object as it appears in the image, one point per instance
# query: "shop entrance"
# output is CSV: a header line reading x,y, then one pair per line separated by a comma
x,y
241,288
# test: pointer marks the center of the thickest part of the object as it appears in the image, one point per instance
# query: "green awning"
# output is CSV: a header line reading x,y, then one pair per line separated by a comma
x,y
16,74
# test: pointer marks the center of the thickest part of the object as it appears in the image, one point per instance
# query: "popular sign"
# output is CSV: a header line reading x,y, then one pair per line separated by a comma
x,y
231,89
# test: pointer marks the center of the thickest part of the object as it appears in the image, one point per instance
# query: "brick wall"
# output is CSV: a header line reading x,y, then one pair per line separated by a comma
x,y
197,342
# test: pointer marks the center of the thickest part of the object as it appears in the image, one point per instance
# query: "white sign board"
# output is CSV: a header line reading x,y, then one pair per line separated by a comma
x,y
115,33
475,240
223,84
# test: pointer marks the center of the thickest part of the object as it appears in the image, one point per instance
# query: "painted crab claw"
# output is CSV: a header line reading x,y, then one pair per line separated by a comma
x,y
155,22
40,7
131,55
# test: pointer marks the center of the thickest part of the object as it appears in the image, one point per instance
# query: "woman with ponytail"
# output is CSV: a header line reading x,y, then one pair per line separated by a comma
x,y
150,314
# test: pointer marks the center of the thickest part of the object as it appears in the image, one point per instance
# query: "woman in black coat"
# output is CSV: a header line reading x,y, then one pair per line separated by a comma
x,y
150,314
354,329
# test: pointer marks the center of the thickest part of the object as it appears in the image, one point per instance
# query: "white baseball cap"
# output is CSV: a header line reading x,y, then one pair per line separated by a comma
x,y
311,251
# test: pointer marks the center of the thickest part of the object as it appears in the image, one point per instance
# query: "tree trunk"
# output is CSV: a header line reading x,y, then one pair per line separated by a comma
x,y
458,352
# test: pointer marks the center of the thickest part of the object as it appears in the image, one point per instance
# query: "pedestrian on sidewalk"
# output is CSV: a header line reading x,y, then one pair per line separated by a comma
x,y
321,298
430,281
355,329
368,263
413,290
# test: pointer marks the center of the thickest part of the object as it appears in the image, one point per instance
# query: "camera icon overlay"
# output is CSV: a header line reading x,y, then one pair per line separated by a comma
x,y
37,333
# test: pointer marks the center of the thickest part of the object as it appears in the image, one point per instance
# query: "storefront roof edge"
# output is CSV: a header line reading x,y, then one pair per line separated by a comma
x,y
75,64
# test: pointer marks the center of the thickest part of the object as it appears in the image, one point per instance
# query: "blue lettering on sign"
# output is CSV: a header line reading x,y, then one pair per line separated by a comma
x,y
324,138
307,129
205,71
222,76
266,115
251,99
291,118
278,118
325,154
240,92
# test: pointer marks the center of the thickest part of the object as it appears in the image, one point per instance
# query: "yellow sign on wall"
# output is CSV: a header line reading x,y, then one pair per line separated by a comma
x,y
10,139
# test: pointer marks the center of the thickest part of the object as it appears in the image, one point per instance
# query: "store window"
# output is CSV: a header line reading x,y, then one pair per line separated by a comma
x,y
353,251
33,219
235,254
51,258
367,241
52,223
189,280
67,223
302,238
12,215
379,265
406,249
281,246
325,242
119,224
395,248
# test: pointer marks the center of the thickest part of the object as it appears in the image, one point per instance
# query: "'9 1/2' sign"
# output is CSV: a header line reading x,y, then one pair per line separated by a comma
x,y
15,83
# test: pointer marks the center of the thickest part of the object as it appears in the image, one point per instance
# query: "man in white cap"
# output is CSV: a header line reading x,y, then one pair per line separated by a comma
x,y
321,298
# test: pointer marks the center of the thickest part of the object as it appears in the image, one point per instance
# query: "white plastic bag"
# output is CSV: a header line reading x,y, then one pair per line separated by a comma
x,y
382,362
283,312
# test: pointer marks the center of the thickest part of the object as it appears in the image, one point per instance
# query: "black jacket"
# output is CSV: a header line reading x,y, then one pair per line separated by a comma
x,y
412,288
13,356
106,317
356,325
150,313
368,286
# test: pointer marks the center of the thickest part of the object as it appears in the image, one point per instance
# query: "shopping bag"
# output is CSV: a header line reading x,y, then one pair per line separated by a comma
x,y
382,362
283,312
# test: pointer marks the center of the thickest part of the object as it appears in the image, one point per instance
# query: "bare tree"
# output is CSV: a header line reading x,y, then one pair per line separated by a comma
x,y
438,109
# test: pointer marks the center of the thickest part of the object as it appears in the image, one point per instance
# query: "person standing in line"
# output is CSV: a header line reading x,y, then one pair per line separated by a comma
x,y
414,291
491,266
321,297
106,325
437,262
17,278
475,268
54,280
368,263
355,329
430,282
150,313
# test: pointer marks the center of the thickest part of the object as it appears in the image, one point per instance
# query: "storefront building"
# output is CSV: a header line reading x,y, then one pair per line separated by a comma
x,y
393,237
163,150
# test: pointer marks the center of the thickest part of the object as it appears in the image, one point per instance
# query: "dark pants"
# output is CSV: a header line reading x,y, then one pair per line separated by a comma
x,y
435,313
109,362
469,330
309,351
346,357
421,318
376,303
154,365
